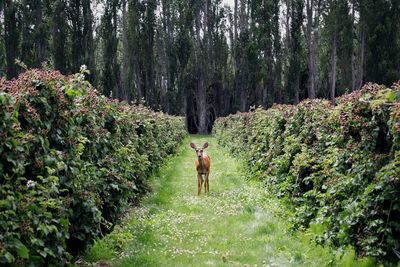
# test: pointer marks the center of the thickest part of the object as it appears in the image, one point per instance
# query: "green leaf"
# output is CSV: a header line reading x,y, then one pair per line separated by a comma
x,y
9,257
23,252
391,96
21,249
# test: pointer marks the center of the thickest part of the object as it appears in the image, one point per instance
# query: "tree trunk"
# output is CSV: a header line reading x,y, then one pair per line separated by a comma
x,y
138,80
41,43
201,106
311,49
150,94
59,34
297,90
126,70
235,23
11,37
115,68
88,44
353,67
162,71
286,55
201,93
333,63
362,59
76,49
277,80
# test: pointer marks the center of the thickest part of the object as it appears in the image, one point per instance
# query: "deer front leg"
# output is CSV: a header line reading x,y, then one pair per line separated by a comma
x,y
199,183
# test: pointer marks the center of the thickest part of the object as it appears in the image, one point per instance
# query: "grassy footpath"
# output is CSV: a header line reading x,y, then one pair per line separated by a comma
x,y
236,224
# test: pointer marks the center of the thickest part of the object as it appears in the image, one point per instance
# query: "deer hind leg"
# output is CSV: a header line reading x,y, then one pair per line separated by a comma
x,y
199,183
206,183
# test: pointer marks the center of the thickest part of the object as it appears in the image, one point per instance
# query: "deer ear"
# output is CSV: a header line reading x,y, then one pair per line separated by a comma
x,y
193,146
205,145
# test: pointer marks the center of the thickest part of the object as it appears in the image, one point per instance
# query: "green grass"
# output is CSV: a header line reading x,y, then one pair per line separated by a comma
x,y
238,223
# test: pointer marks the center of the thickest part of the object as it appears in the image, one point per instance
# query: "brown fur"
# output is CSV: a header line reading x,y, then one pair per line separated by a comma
x,y
203,164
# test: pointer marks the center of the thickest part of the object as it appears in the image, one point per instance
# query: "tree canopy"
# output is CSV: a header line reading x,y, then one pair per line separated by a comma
x,y
204,59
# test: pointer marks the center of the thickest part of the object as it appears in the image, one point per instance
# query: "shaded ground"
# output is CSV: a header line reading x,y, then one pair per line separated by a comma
x,y
236,224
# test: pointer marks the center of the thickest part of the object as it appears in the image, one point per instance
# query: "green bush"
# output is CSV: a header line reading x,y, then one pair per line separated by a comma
x,y
338,165
70,160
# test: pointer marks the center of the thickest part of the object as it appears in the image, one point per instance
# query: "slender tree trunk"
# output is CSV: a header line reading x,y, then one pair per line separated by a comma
x,y
115,68
150,93
287,24
76,49
277,72
235,23
333,63
138,76
353,67
362,59
287,47
11,37
243,80
201,93
41,42
165,39
88,43
311,49
59,34
297,90
162,72
126,70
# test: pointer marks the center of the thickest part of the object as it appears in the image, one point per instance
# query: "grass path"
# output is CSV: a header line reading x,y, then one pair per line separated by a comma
x,y
236,224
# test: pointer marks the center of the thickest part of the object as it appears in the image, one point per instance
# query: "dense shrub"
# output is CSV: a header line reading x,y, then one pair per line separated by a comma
x,y
338,165
70,159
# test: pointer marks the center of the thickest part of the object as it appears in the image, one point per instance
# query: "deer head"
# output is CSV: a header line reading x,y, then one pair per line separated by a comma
x,y
199,150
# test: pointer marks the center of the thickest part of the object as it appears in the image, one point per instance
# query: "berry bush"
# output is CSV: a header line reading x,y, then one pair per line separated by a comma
x,y
70,161
339,166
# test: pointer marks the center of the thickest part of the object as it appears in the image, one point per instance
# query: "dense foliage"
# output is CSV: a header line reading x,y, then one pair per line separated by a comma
x,y
70,159
338,165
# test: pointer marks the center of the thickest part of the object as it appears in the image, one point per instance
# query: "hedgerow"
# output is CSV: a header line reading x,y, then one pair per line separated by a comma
x,y
70,161
338,165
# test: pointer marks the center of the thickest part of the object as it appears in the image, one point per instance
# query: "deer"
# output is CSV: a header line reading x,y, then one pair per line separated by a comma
x,y
203,163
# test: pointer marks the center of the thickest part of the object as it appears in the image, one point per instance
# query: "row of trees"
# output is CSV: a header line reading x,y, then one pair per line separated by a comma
x,y
203,59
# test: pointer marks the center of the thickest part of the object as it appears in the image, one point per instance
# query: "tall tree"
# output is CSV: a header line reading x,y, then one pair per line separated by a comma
x,y
382,19
313,17
59,35
34,34
148,50
277,85
200,54
76,19
332,25
87,38
11,38
126,69
295,55
110,70
2,47
134,81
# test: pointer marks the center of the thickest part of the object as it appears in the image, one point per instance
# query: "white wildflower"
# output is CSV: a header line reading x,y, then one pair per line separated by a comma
x,y
30,184
83,68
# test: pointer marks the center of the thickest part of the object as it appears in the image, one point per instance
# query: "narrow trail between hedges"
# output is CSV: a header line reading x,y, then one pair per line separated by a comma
x,y
236,224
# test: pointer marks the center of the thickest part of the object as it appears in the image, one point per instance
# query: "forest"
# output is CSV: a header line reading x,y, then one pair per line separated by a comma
x,y
207,58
